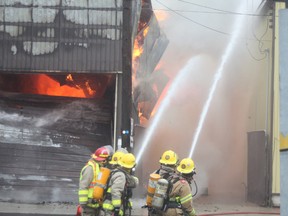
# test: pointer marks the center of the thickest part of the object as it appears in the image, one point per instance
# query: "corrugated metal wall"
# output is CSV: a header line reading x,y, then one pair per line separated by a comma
x,y
45,141
60,35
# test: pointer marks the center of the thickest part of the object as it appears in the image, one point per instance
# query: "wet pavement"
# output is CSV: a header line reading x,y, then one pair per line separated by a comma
x,y
204,205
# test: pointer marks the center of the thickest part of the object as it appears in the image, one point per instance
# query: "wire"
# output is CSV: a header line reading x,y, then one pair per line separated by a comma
x,y
179,14
260,44
223,11
253,57
208,12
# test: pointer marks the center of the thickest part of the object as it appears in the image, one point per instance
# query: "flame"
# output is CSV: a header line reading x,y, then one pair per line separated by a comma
x,y
160,99
145,31
89,89
48,86
161,15
69,77
138,50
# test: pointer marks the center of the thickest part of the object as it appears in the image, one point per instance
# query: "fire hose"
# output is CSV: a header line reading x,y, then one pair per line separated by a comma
x,y
196,188
240,213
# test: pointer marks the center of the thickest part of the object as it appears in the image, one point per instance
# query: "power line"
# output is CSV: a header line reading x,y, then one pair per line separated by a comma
x,y
210,12
220,10
200,24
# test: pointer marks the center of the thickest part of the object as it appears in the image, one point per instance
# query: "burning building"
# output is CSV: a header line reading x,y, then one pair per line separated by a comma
x,y
66,88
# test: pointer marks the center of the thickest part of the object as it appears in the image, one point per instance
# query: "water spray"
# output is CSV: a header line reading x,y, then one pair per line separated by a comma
x,y
230,47
163,107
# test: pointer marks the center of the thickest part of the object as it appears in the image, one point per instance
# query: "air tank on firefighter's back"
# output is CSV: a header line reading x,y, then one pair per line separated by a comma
x,y
154,177
101,183
160,193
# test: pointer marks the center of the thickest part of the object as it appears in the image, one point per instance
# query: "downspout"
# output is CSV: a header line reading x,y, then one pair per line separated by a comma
x,y
271,139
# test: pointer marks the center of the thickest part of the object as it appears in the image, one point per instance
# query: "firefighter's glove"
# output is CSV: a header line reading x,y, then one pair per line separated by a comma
x,y
136,180
116,211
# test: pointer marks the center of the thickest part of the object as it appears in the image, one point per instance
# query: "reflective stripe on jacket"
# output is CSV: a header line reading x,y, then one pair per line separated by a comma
x,y
87,182
116,187
181,193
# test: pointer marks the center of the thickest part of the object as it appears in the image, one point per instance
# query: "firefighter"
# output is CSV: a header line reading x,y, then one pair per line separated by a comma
x,y
168,163
116,200
180,195
88,175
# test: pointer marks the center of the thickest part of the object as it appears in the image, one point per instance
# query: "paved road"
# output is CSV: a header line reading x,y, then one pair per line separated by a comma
x,y
203,206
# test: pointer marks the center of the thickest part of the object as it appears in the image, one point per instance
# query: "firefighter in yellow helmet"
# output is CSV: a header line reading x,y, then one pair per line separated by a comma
x,y
168,163
116,200
88,175
180,195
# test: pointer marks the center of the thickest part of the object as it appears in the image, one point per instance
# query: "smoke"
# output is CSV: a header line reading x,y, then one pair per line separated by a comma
x,y
220,156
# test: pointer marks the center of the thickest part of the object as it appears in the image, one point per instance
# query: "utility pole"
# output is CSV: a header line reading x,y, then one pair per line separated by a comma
x,y
126,75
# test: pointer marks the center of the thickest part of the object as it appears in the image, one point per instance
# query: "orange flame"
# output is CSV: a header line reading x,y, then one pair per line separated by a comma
x,y
138,50
48,86
145,31
69,77
89,89
161,15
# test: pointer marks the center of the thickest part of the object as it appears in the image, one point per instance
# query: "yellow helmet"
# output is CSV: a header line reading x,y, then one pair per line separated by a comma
x,y
116,157
169,158
186,166
127,161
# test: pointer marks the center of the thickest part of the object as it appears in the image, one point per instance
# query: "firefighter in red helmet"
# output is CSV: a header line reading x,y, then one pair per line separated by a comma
x,y
87,180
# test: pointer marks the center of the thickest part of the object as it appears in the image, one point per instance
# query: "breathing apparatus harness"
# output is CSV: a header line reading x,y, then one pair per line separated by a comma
x,y
127,193
175,203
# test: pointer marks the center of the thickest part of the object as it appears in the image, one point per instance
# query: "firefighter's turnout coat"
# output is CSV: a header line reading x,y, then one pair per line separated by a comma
x,y
180,199
87,182
120,181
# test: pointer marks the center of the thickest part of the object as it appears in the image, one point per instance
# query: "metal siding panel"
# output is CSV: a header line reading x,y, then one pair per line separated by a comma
x,y
42,163
74,46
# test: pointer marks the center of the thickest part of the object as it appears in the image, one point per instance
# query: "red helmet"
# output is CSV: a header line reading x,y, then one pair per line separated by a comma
x,y
101,154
